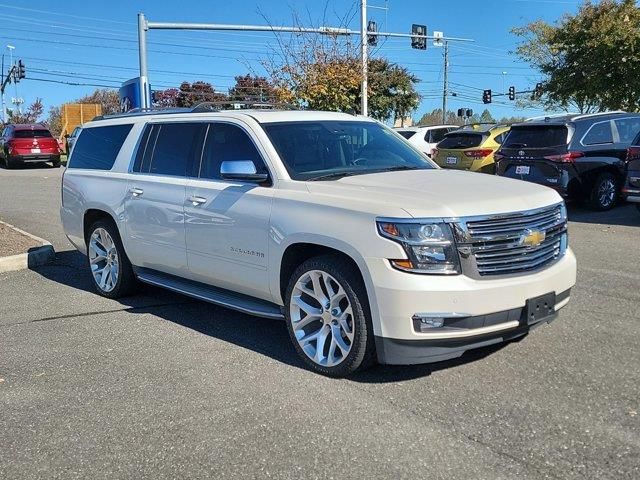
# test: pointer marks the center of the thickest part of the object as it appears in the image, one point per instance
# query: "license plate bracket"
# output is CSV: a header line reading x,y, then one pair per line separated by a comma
x,y
539,308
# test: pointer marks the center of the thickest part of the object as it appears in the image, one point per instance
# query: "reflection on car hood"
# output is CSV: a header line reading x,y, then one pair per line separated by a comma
x,y
436,193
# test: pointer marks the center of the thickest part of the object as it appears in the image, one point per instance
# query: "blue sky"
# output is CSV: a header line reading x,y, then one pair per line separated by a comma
x,y
96,43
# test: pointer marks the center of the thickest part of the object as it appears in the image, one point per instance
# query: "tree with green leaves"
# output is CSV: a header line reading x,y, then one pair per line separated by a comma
x,y
589,60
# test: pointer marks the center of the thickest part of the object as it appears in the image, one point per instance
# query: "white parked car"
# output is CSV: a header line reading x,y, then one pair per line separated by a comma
x,y
329,221
425,138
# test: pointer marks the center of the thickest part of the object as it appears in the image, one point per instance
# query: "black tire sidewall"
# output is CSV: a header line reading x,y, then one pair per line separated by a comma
x,y
363,344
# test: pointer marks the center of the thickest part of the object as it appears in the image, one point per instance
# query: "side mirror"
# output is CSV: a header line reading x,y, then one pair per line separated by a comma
x,y
242,170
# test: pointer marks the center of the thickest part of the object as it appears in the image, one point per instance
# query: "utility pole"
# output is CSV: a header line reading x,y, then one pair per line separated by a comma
x,y
4,109
364,107
445,87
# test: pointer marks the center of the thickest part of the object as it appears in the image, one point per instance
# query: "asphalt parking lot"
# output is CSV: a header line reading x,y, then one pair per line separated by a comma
x,y
162,386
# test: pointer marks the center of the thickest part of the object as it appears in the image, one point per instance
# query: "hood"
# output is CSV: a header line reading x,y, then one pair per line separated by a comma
x,y
437,193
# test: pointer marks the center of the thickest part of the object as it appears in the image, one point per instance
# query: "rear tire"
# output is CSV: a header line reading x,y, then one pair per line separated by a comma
x,y
604,192
56,163
110,267
327,316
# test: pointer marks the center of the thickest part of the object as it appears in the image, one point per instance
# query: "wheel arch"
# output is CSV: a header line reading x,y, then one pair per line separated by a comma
x,y
296,252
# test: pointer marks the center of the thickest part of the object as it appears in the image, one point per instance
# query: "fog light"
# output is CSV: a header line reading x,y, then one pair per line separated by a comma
x,y
423,323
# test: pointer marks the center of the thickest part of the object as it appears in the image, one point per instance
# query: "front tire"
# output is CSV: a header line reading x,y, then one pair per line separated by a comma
x,y
327,316
604,192
111,270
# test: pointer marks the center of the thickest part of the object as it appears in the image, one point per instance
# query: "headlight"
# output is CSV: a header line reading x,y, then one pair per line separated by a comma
x,y
430,247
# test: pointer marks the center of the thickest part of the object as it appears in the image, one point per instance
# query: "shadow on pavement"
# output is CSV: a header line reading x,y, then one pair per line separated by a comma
x,y
625,214
264,336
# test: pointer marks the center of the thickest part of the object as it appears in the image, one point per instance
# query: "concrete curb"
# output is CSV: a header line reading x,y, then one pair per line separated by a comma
x,y
35,257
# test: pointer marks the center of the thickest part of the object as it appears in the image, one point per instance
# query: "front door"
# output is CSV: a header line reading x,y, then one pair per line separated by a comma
x,y
227,222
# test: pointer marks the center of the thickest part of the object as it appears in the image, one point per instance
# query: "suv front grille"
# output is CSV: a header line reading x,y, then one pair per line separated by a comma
x,y
512,243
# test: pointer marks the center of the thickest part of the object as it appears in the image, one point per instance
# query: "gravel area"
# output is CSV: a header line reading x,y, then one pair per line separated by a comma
x,y
13,242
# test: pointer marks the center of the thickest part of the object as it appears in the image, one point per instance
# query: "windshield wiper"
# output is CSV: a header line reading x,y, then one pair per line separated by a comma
x,y
333,175
398,168
516,145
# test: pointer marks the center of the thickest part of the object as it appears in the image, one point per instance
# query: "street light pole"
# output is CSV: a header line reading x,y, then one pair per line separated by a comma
x,y
11,48
363,45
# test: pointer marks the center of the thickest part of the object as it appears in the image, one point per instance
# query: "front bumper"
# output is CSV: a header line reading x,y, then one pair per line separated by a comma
x,y
35,157
475,310
497,328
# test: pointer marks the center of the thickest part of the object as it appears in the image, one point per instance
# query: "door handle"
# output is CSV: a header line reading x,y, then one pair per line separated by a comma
x,y
136,192
196,200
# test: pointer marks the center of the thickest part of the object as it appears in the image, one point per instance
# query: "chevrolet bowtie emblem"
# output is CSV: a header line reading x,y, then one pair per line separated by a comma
x,y
532,237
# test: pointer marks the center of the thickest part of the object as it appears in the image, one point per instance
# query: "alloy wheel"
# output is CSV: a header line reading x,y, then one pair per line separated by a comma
x,y
104,261
322,318
607,192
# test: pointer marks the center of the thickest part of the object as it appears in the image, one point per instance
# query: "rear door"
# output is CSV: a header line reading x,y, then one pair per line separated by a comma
x,y
534,153
156,195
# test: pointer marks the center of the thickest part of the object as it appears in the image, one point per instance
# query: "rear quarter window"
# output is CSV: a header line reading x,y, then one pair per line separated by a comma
x,y
406,133
461,140
599,133
536,136
98,147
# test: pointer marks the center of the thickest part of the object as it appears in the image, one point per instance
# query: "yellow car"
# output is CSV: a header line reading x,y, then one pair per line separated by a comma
x,y
471,148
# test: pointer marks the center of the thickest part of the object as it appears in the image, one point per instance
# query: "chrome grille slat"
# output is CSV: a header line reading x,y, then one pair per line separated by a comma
x,y
546,223
512,220
495,244
520,267
532,255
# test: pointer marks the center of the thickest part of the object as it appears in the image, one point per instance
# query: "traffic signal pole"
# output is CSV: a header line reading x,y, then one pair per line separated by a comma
x,y
144,25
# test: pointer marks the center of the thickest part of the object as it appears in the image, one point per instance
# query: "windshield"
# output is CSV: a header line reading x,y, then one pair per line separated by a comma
x,y
461,140
31,134
534,136
331,149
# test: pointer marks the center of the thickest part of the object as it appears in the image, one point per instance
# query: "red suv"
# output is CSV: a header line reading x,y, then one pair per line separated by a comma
x,y
22,143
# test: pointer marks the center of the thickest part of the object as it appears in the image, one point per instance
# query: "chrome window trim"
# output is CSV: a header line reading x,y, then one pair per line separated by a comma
x,y
611,128
208,121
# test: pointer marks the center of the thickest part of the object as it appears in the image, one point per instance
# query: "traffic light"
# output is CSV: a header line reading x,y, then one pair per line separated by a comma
x,y
538,91
469,113
21,71
372,39
486,96
461,112
512,93
419,42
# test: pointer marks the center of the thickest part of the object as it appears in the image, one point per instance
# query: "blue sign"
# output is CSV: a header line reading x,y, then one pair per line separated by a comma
x,y
131,94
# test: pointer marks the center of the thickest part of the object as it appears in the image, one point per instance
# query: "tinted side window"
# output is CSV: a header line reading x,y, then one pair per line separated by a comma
x,y
226,142
628,128
437,135
98,147
599,133
175,149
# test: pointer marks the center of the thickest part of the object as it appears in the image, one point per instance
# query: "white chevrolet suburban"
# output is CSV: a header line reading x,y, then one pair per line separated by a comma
x,y
333,222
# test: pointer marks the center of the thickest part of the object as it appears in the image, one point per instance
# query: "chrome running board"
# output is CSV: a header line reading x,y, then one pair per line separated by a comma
x,y
218,296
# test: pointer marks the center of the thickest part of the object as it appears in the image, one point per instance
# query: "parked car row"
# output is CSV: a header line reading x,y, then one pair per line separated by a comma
x,y
588,157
